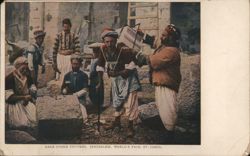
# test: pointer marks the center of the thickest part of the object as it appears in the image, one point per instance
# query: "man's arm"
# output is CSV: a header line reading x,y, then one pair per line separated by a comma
x,y
84,90
31,51
85,81
64,86
100,68
55,51
129,54
42,63
76,44
14,98
162,59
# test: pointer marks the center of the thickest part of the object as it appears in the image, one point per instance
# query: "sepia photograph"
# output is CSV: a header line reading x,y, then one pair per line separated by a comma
x,y
102,72
166,77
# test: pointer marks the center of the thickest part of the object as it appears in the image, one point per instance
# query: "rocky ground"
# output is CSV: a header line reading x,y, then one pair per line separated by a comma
x,y
149,130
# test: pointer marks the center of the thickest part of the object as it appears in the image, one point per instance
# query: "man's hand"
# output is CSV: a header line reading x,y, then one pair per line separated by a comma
x,y
64,91
43,69
56,68
98,86
32,73
124,73
112,73
26,99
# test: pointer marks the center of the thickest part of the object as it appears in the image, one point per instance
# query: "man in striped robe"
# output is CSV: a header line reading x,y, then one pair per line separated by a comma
x,y
66,43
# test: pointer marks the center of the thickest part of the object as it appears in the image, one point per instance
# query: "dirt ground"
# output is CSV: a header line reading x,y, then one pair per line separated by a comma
x,y
151,130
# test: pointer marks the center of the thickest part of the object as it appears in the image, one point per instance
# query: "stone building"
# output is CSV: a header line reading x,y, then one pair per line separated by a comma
x,y
90,18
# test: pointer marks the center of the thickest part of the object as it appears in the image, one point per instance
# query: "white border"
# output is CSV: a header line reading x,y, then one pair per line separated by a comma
x,y
224,90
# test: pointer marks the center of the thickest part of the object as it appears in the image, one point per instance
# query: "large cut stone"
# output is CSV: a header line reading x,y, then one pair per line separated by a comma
x,y
59,116
188,98
148,111
149,116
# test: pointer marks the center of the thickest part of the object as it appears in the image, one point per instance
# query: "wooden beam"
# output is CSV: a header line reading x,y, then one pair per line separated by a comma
x,y
143,5
142,17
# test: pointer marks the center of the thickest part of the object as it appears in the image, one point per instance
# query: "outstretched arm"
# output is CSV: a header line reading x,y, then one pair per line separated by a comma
x,y
162,59
76,44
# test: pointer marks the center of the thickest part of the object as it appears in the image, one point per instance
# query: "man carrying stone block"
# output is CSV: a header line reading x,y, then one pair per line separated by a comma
x,y
125,84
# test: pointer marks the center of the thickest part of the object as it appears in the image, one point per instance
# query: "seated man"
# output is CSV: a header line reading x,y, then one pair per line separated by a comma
x,y
20,94
76,82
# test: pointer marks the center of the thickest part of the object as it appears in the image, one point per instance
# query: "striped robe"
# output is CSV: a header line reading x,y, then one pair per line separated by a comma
x,y
65,42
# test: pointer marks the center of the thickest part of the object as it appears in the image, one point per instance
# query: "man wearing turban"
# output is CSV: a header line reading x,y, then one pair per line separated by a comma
x,y
165,76
35,55
118,60
20,110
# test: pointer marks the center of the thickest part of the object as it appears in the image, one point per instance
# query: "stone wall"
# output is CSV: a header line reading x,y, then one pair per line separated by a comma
x,y
36,18
157,16
16,24
50,26
87,19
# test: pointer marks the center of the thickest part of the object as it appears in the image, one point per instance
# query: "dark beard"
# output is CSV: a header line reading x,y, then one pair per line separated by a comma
x,y
24,72
169,42
165,41
75,69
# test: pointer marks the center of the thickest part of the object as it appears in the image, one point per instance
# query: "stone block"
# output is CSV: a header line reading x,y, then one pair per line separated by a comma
x,y
59,117
148,111
188,98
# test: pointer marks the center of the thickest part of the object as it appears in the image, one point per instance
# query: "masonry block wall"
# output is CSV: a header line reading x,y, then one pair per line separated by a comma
x,y
89,19
159,17
36,18
16,24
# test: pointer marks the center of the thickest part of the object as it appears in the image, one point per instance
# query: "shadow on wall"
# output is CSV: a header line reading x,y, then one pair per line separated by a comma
x,y
187,17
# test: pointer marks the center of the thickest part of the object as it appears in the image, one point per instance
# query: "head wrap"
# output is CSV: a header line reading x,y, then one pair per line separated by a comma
x,y
78,57
109,32
20,61
38,33
173,32
66,21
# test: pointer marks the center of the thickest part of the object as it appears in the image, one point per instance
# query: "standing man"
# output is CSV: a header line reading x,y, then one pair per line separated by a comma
x,y
166,76
96,95
66,43
121,69
35,55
